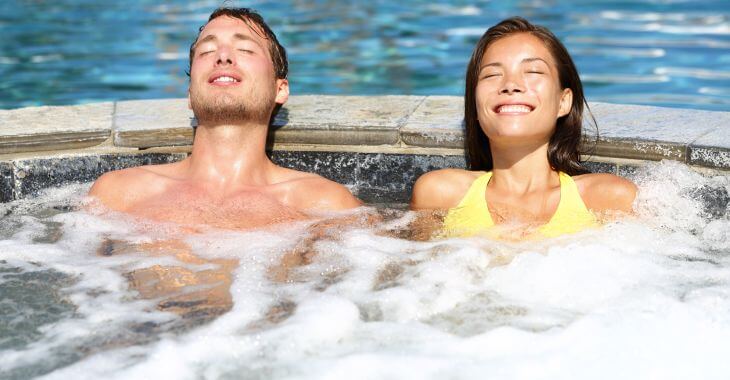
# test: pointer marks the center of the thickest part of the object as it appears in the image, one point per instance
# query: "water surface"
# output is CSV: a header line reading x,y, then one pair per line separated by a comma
x,y
647,297
668,53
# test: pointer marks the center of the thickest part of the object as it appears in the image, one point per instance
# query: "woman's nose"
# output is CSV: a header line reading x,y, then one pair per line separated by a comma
x,y
512,84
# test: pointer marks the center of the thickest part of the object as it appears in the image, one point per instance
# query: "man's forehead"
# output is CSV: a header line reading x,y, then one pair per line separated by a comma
x,y
224,26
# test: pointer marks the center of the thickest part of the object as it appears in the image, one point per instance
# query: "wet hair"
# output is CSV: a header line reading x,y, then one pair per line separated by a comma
x,y
564,146
259,26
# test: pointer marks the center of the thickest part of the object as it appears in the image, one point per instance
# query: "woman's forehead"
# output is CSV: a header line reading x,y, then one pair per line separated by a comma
x,y
517,46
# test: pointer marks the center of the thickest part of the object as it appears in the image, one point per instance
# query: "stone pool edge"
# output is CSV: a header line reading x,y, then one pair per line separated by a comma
x,y
378,143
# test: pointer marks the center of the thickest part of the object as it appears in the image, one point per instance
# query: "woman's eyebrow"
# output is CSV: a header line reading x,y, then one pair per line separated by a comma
x,y
526,60
491,64
530,60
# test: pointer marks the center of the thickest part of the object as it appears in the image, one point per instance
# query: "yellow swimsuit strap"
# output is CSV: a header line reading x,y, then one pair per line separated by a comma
x,y
572,214
472,215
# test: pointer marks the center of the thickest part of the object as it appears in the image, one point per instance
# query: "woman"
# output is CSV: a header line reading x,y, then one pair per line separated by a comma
x,y
523,116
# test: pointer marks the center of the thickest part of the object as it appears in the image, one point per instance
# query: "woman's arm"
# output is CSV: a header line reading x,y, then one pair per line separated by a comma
x,y
607,192
441,189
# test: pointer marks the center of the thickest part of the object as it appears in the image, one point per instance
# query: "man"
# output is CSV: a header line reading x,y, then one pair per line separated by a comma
x,y
238,74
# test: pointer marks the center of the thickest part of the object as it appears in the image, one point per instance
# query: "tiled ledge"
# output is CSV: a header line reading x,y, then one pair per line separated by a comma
x,y
379,123
54,128
372,139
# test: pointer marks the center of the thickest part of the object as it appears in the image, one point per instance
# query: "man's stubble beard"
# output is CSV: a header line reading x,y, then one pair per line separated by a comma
x,y
225,108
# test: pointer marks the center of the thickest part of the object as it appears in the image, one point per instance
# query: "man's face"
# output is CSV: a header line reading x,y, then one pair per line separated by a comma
x,y
232,76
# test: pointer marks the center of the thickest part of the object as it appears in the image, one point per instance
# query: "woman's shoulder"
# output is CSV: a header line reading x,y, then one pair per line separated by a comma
x,y
606,192
442,189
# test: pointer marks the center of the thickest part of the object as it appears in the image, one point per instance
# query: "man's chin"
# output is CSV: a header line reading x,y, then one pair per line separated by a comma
x,y
219,114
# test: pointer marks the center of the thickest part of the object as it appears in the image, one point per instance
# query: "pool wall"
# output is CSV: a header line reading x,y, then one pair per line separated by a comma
x,y
378,145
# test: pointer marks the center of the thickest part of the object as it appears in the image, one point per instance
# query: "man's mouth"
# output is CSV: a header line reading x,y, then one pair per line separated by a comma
x,y
513,109
224,80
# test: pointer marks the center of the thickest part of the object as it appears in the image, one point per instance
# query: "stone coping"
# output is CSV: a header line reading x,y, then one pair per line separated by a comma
x,y
365,123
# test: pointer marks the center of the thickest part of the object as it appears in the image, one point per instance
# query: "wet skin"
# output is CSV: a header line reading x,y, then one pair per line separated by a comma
x,y
519,99
228,181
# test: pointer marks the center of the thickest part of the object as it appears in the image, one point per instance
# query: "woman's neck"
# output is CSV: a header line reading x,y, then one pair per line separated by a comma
x,y
522,169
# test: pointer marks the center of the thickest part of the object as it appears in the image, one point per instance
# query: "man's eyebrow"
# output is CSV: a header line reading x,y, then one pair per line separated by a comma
x,y
243,37
210,37
237,36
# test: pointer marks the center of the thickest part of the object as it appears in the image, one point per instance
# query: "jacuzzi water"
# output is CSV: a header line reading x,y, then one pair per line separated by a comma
x,y
644,297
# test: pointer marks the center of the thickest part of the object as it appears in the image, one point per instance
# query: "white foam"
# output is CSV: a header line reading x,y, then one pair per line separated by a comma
x,y
642,297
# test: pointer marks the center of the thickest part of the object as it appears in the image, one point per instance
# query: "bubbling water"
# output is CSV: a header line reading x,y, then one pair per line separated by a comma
x,y
644,296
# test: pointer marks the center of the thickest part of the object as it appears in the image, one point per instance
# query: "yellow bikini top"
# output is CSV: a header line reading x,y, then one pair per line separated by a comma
x,y
471,216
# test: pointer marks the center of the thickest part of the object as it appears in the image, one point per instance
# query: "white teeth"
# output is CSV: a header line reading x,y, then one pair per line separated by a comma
x,y
224,79
514,108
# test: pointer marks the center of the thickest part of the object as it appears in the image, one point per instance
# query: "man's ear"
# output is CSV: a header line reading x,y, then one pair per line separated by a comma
x,y
566,102
282,91
190,106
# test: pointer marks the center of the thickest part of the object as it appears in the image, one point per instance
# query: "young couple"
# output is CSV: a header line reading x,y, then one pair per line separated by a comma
x,y
523,114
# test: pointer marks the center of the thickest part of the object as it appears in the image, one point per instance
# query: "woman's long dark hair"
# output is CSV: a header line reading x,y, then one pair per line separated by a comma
x,y
564,147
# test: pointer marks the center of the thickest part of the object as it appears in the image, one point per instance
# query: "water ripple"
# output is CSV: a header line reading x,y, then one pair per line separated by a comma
x,y
620,52
625,78
650,41
375,47
692,72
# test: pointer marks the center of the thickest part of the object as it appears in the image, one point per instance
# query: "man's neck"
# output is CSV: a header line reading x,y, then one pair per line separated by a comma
x,y
230,156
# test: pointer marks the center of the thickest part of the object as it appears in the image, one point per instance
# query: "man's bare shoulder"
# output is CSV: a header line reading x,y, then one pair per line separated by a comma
x,y
312,191
606,192
442,189
120,189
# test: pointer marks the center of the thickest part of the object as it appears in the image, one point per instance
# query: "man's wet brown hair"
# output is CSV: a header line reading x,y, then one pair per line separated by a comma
x,y
258,25
564,146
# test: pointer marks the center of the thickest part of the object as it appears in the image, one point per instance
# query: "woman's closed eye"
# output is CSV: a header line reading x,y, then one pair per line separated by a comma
x,y
489,75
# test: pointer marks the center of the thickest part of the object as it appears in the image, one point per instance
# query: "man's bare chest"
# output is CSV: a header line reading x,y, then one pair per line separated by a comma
x,y
242,210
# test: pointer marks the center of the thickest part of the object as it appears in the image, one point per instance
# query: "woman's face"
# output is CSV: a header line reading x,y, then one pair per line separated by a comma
x,y
518,92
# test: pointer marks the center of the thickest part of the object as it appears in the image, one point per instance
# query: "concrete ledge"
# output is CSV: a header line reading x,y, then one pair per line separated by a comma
x,y
437,123
378,142
151,123
712,149
343,120
49,128
652,133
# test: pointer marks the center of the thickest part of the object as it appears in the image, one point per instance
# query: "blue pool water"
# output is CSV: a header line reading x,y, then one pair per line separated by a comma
x,y
662,52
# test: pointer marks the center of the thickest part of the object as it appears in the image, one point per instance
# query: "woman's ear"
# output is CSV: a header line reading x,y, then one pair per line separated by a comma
x,y
566,102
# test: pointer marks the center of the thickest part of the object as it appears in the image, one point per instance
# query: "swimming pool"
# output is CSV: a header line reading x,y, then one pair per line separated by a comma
x,y
667,53
640,298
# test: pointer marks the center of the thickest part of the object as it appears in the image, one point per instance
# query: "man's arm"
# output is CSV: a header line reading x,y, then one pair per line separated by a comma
x,y
109,190
120,189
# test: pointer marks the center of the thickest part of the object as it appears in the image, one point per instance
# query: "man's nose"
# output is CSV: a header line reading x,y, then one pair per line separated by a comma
x,y
224,57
